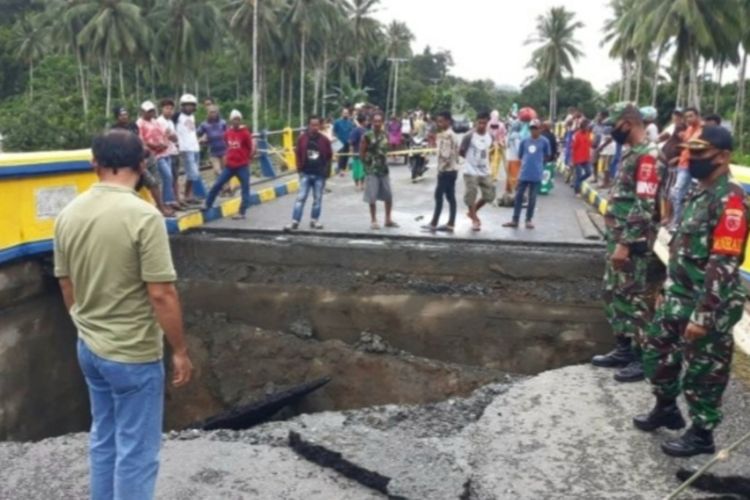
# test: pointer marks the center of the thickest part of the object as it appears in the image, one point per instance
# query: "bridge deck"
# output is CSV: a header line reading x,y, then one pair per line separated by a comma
x,y
345,213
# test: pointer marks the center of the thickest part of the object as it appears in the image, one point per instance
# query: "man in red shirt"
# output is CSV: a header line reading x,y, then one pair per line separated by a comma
x,y
582,154
236,163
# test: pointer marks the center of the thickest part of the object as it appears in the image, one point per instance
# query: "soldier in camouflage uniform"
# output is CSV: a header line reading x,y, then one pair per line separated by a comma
x,y
703,298
632,270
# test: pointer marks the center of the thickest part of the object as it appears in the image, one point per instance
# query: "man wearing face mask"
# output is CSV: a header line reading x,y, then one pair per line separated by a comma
x,y
702,300
631,272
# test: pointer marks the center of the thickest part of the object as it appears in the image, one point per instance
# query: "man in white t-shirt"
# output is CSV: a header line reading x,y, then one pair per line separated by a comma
x,y
165,120
187,139
475,149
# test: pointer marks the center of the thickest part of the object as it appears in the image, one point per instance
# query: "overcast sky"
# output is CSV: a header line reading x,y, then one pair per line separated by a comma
x,y
486,37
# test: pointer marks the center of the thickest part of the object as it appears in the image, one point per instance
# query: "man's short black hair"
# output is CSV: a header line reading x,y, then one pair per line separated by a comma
x,y
166,102
693,109
313,117
118,149
712,117
361,118
678,112
483,115
378,113
446,115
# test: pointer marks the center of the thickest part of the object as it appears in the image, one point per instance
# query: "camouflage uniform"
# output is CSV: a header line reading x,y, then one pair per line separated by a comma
x,y
704,287
632,218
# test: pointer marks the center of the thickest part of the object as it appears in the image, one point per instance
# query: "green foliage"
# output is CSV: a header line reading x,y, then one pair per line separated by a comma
x,y
572,92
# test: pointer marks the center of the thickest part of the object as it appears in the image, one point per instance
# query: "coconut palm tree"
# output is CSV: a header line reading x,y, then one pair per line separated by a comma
x,y
365,31
243,19
697,27
311,17
29,38
112,30
64,29
555,34
186,32
398,38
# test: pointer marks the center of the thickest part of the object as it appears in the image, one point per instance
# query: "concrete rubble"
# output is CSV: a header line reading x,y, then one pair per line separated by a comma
x,y
563,434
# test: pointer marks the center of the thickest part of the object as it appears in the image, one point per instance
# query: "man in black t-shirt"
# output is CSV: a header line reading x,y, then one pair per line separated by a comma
x,y
314,154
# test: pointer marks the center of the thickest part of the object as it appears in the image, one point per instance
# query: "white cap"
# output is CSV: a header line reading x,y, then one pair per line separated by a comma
x,y
188,99
235,114
535,123
148,106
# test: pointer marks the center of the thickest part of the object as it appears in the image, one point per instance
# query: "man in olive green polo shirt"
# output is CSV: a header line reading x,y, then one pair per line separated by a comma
x,y
115,269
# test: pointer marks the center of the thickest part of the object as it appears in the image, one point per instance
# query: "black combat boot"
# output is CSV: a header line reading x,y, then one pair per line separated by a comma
x,y
631,373
666,413
621,356
694,441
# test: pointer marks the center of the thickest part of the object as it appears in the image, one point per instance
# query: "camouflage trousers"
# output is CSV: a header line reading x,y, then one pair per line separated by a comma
x,y
629,293
706,367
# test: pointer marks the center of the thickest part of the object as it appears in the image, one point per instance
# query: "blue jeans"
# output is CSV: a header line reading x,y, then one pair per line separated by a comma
x,y
678,192
583,172
164,165
307,183
243,175
127,406
533,188
191,163
615,162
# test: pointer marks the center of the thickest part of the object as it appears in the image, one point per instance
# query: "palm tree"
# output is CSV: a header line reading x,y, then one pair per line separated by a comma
x,y
112,29
310,17
555,31
186,31
30,41
365,31
64,29
245,16
697,27
397,45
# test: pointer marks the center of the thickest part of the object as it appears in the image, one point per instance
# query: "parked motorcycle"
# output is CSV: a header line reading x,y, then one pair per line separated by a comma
x,y
417,161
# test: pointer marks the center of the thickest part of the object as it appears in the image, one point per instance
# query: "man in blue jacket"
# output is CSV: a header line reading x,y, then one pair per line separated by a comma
x,y
533,152
342,129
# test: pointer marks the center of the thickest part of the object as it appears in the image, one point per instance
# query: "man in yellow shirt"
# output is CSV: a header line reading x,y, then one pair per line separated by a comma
x,y
115,269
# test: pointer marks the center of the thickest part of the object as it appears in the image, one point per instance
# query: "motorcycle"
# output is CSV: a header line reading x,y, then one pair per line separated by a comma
x,y
417,161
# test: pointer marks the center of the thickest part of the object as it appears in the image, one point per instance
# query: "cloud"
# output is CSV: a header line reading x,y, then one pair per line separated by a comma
x,y
487,37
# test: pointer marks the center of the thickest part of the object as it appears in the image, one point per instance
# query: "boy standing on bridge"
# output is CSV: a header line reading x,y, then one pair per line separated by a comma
x,y
534,151
475,149
632,271
236,163
314,156
703,298
113,261
373,150
447,163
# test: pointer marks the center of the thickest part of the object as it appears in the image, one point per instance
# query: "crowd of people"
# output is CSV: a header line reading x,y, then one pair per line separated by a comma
x,y
672,324
364,142
172,138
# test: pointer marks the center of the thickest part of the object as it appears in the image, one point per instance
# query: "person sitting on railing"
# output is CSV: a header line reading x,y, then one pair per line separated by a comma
x,y
236,163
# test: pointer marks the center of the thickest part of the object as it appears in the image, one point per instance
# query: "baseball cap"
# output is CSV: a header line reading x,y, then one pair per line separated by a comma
x,y
712,136
148,106
235,114
188,99
534,124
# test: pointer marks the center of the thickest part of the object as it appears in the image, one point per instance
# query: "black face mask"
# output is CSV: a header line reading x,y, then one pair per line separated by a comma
x,y
620,136
701,168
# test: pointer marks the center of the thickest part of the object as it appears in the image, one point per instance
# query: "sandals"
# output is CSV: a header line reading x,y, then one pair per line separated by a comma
x,y
529,224
445,229
391,225
375,226
511,224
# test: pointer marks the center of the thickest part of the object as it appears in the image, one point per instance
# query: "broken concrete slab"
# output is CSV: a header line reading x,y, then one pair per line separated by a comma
x,y
563,434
